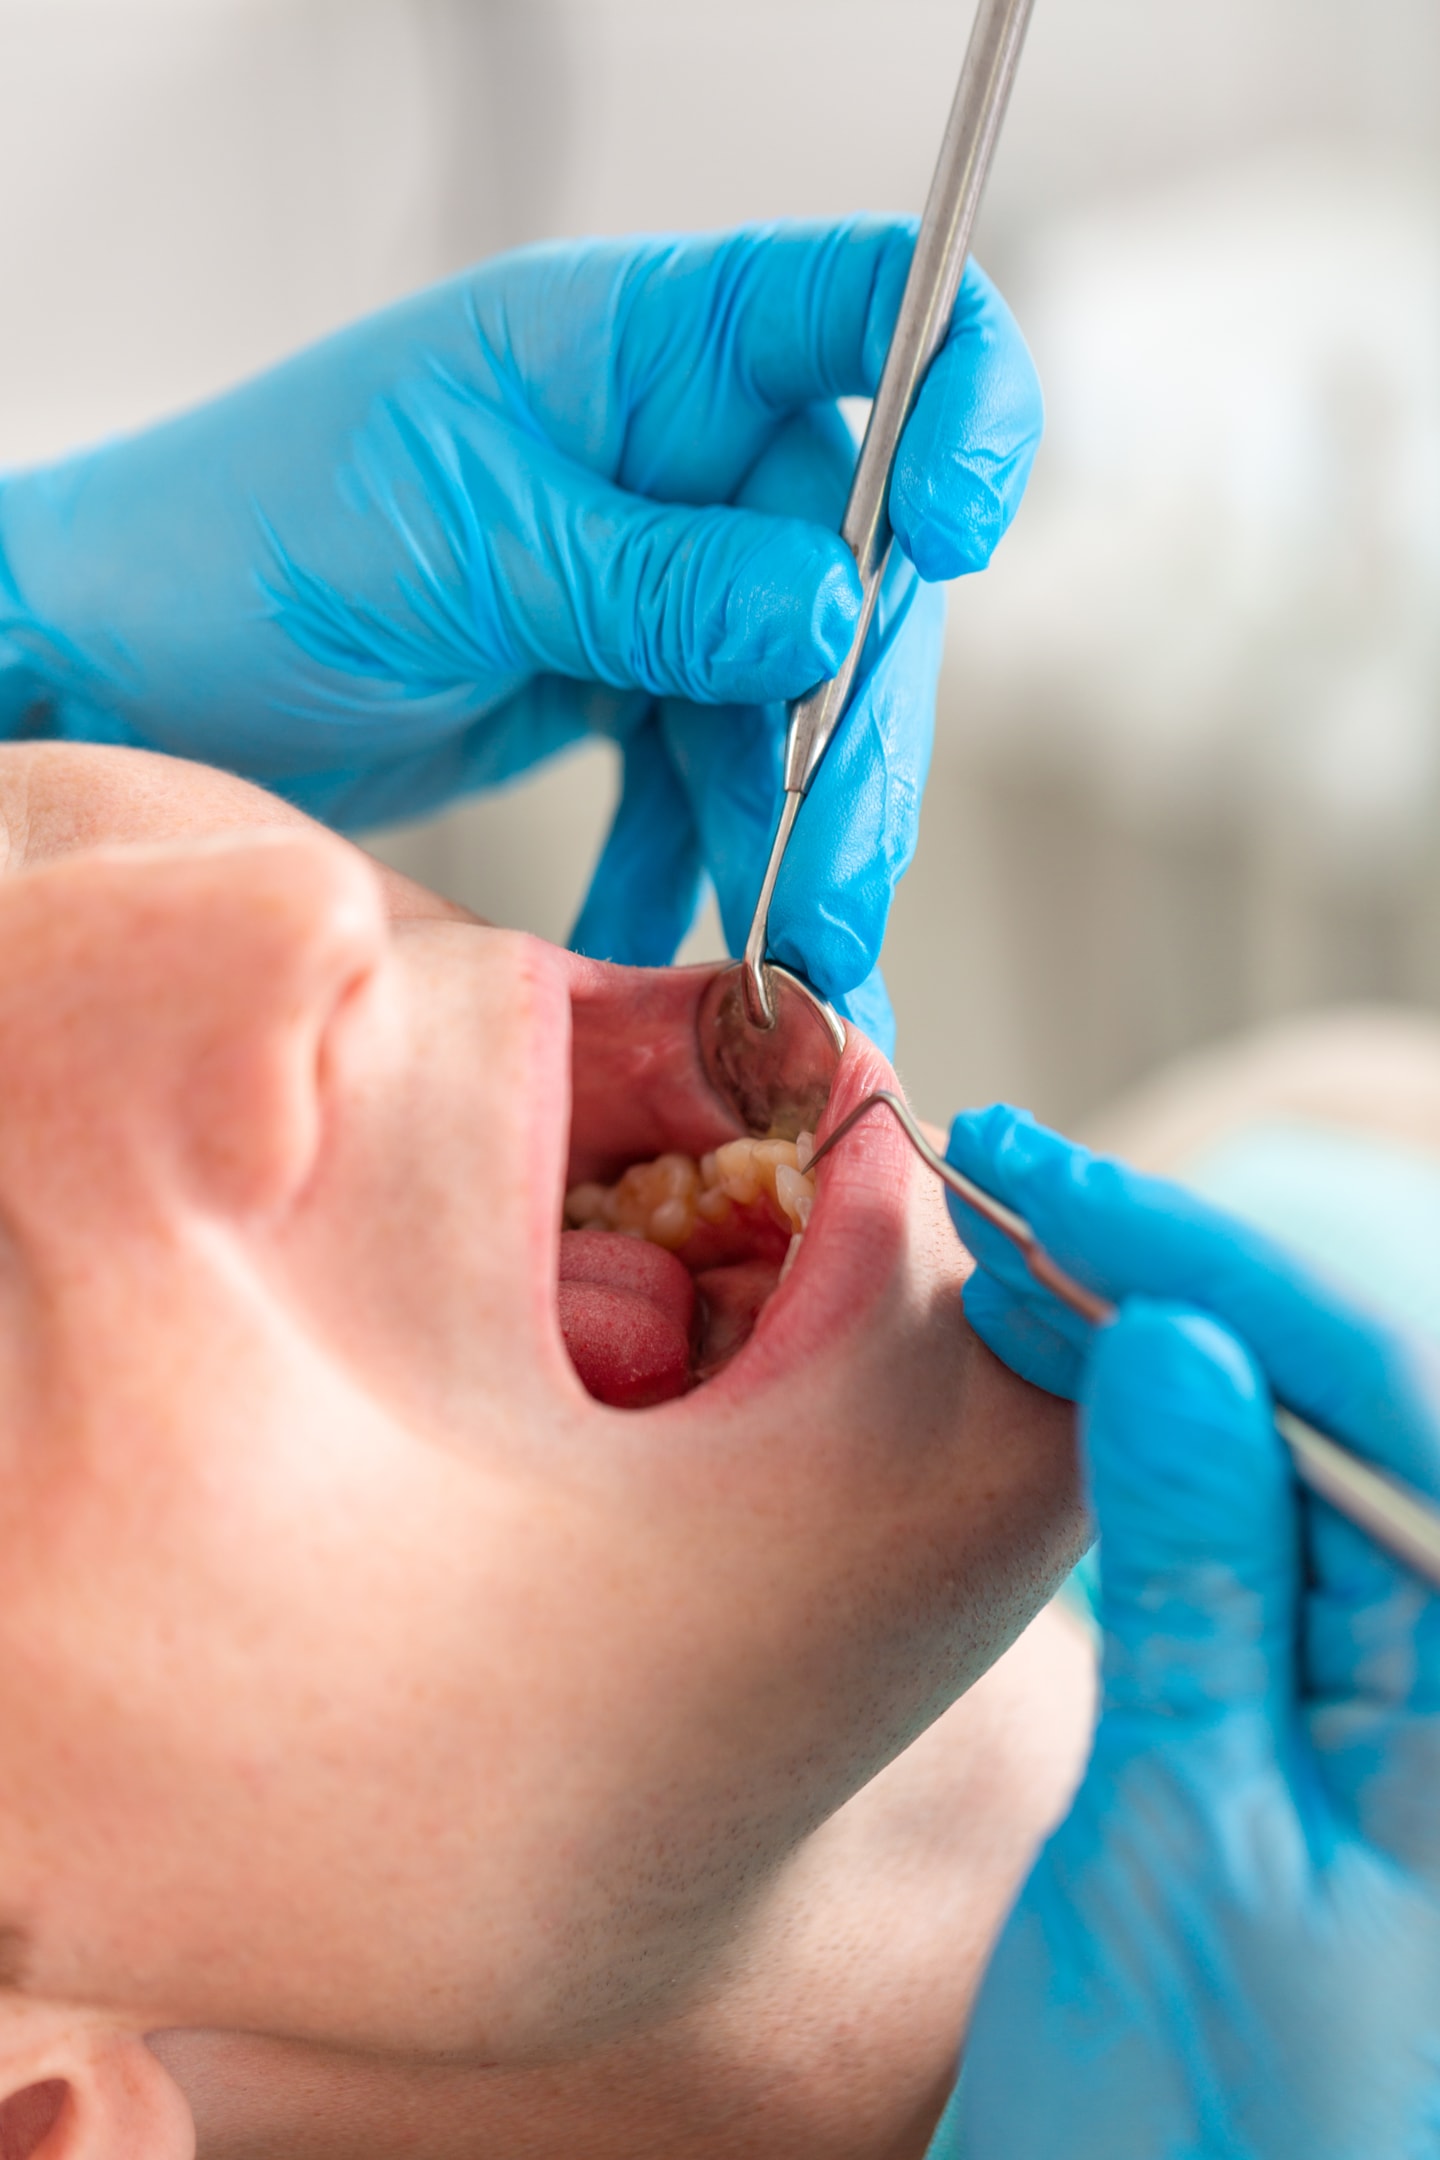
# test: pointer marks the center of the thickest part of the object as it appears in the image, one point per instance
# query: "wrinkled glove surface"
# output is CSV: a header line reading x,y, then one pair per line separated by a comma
x,y
1232,1945
586,488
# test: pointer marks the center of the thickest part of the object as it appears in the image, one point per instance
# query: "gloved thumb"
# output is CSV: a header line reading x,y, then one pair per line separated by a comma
x,y
1198,1522
646,888
869,1006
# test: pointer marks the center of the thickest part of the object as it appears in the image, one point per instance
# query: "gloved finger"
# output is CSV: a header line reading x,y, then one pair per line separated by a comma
x,y
1023,1333
1373,1630
730,759
966,455
646,887
568,574
1370,1667
718,605
1123,1233
1198,1523
868,1006
805,470
1028,1329
730,762
765,320
780,315
856,832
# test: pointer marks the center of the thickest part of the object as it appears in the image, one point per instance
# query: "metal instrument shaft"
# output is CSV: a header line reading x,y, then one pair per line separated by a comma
x,y
921,327
1405,1522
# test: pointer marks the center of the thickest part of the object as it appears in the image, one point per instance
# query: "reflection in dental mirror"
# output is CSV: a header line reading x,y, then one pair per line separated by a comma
x,y
664,1274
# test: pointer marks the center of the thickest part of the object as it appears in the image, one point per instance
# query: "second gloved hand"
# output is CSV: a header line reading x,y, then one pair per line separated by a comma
x,y
570,492
1230,1950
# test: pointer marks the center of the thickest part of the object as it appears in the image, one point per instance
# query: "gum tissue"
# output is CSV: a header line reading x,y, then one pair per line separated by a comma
x,y
665,1201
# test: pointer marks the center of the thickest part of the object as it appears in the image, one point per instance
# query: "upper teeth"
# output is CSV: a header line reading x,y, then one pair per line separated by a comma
x,y
664,1199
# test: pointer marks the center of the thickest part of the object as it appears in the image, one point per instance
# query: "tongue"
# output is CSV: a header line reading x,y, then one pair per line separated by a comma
x,y
627,1310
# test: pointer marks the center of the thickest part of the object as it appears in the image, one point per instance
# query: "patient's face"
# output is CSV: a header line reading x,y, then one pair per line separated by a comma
x,y
360,1677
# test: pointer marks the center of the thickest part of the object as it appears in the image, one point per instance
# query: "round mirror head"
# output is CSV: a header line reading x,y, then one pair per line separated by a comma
x,y
777,1080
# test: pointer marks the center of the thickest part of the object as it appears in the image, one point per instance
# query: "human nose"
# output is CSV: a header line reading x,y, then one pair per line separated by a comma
x,y
170,1018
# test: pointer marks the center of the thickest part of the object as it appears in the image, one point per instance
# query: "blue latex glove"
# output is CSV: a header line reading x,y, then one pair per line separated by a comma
x,y
715,790
1232,1945
447,542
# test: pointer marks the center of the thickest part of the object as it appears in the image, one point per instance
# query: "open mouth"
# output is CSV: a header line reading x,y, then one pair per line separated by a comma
x,y
684,1241
664,1274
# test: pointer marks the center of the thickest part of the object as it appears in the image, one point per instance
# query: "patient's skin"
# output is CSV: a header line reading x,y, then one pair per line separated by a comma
x,y
366,1687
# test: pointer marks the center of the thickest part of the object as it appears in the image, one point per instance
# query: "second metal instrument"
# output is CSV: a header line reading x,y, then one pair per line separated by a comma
x,y
1405,1522
748,999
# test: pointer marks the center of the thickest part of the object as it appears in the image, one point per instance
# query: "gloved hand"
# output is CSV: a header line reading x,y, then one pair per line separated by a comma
x,y
441,545
1232,1945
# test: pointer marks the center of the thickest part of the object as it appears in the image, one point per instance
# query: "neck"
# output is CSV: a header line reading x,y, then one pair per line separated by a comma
x,y
831,2031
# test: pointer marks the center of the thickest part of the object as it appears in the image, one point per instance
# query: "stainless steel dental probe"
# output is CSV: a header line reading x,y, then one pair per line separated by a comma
x,y
770,1047
921,327
1395,1515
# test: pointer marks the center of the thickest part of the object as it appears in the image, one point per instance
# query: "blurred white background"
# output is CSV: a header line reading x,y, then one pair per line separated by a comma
x,y
1188,768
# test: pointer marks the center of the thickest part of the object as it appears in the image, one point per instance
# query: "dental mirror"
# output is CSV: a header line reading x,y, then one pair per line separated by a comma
x,y
776,1079
769,1045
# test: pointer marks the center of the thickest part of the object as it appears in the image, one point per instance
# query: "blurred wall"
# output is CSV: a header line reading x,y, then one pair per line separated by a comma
x,y
1185,774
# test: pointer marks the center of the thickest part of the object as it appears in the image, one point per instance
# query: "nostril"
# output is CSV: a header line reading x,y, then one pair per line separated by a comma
x,y
28,2117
